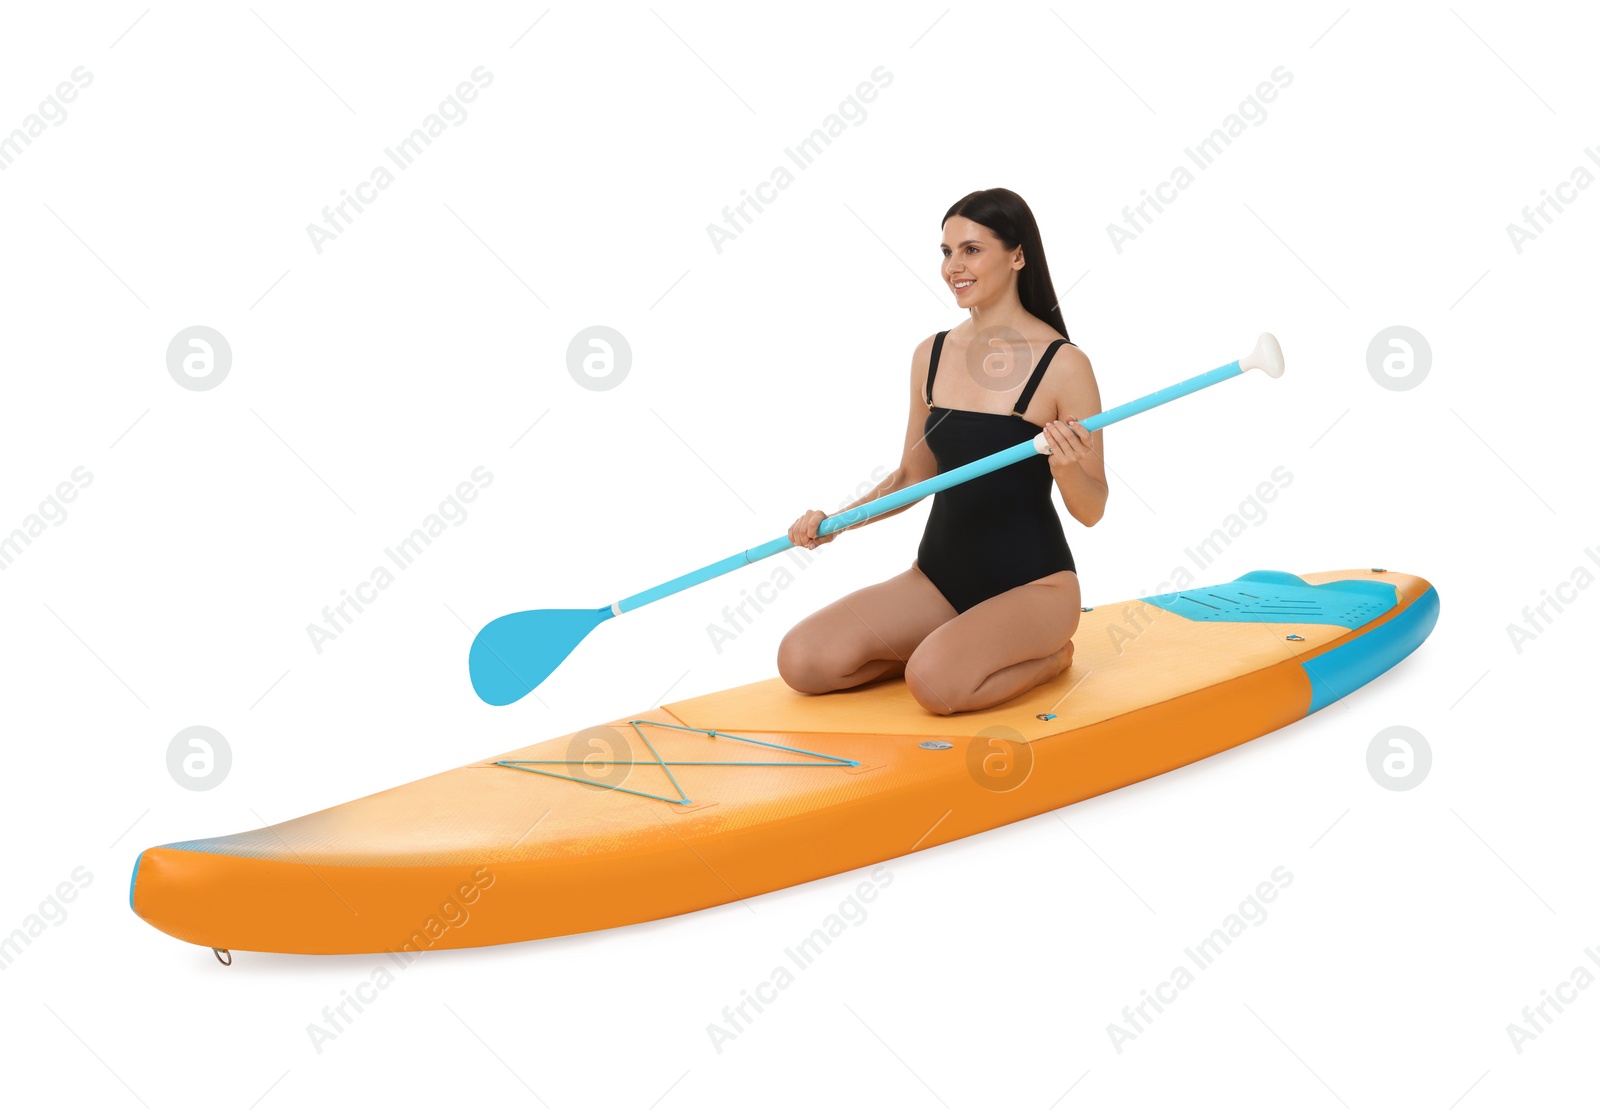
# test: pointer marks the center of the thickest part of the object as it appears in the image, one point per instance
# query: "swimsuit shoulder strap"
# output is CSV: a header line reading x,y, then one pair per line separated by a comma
x,y
1038,375
933,363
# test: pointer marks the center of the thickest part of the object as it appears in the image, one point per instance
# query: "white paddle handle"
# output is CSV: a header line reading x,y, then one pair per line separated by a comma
x,y
1267,356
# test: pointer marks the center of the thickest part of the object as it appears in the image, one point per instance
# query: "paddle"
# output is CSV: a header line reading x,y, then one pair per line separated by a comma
x,y
514,654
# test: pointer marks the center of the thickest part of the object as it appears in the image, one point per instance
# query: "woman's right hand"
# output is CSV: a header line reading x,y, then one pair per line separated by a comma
x,y
803,532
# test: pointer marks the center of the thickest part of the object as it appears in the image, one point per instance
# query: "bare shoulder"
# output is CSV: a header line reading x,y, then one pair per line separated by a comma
x,y
1069,383
920,356
1070,363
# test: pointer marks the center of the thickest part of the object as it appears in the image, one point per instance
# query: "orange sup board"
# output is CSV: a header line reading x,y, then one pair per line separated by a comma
x,y
708,800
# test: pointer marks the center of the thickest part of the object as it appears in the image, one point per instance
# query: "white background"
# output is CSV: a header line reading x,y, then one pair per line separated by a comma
x,y
368,380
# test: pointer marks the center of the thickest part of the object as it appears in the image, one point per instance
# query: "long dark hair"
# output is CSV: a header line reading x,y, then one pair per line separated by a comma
x,y
1008,215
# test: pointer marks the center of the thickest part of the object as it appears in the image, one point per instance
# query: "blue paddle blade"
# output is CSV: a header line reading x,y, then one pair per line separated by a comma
x,y
514,654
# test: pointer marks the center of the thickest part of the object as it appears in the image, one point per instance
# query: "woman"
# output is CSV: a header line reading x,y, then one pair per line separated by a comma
x,y
988,609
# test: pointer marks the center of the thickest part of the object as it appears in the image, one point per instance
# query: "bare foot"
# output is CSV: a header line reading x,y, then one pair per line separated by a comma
x,y
1064,657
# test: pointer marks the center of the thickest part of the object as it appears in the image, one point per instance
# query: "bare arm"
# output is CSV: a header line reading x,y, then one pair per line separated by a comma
x,y
1077,455
916,460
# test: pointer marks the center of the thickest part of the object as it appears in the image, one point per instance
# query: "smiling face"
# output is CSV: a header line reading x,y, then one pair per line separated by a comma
x,y
977,266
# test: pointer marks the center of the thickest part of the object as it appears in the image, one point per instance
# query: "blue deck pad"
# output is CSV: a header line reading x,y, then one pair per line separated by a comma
x,y
1283,598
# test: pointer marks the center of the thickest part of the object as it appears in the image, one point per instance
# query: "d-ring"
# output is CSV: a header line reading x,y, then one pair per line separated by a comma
x,y
224,956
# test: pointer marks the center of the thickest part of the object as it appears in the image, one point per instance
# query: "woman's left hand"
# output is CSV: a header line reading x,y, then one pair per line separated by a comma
x,y
1069,442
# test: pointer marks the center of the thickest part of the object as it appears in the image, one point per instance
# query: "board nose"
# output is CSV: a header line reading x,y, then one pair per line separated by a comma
x,y
133,881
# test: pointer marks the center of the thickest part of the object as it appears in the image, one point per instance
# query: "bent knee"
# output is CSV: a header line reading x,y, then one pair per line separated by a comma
x,y
803,665
931,684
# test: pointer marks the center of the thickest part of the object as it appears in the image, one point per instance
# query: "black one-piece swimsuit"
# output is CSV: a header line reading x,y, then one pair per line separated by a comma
x,y
995,532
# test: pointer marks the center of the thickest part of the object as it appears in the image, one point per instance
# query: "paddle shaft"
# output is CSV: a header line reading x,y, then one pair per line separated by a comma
x,y
901,497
